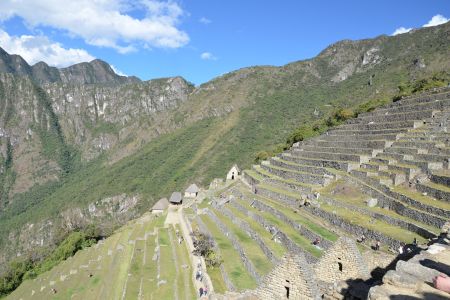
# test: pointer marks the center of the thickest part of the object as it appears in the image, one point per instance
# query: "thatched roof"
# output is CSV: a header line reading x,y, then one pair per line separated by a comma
x,y
176,197
193,188
162,204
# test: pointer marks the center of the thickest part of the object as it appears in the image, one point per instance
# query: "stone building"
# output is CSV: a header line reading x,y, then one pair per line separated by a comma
x,y
292,278
341,262
191,191
233,173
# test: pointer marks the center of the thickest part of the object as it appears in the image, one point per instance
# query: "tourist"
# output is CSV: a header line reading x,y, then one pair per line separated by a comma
x,y
362,239
205,291
200,291
377,245
442,283
414,243
401,248
316,242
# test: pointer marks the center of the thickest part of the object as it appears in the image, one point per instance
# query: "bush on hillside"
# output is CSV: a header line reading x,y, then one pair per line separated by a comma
x,y
204,246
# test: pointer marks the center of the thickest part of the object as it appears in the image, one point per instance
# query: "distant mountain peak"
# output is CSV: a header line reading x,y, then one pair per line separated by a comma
x,y
95,71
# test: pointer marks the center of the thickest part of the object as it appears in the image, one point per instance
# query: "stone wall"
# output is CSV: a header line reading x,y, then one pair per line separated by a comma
x,y
341,262
251,233
299,228
438,194
390,220
292,276
276,232
353,228
300,177
230,286
237,246
376,190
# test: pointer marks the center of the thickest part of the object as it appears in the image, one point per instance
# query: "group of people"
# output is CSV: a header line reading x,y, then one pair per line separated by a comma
x,y
203,291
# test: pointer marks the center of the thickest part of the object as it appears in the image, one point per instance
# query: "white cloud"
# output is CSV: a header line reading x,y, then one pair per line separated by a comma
x,y
436,20
39,48
204,20
105,23
207,56
401,30
117,71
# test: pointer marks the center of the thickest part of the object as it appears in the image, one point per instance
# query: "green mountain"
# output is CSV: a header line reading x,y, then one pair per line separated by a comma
x,y
82,145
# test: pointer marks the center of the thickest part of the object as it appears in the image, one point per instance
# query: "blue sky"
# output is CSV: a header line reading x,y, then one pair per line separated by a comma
x,y
198,39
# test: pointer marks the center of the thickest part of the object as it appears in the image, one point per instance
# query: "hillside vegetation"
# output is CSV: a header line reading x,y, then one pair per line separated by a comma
x,y
227,120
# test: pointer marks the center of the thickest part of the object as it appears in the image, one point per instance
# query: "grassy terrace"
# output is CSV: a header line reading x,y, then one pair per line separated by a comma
x,y
301,217
360,197
297,238
236,271
149,269
186,289
217,280
421,198
277,249
365,221
135,271
438,186
252,250
272,176
168,270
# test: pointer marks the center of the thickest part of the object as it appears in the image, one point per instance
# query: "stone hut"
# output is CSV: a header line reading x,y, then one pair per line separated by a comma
x,y
233,173
160,206
176,198
341,262
292,278
191,191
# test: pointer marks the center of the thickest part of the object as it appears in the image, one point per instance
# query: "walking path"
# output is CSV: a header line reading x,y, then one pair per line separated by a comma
x,y
175,216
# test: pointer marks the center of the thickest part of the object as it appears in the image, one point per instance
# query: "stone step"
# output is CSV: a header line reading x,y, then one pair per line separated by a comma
x,y
381,125
441,178
331,156
403,206
293,186
397,176
360,137
376,144
404,150
389,117
418,144
416,199
421,99
425,133
335,164
392,158
432,105
435,190
297,176
343,132
372,177
276,161
361,151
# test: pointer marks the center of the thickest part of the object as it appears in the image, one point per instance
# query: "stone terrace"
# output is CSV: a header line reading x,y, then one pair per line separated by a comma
x,y
384,174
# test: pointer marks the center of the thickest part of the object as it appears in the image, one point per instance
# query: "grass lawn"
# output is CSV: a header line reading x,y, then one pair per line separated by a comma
x,y
232,262
168,270
297,238
252,250
186,289
277,249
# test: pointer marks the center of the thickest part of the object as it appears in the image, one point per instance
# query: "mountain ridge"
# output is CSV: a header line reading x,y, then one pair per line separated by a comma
x,y
93,72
